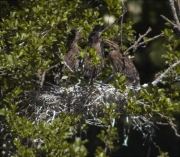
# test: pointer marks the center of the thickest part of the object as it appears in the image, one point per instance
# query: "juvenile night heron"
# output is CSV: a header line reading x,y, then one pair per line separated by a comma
x,y
91,72
71,62
122,64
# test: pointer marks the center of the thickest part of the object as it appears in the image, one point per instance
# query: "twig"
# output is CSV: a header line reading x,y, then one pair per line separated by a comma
x,y
178,2
173,127
134,46
160,123
122,17
155,37
165,18
108,78
68,67
171,2
171,124
137,44
155,82
108,27
52,84
149,150
124,11
44,74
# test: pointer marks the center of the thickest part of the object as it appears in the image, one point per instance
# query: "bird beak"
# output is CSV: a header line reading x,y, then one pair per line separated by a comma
x,y
110,43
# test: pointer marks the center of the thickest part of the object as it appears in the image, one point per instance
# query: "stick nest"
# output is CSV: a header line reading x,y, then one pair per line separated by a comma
x,y
46,103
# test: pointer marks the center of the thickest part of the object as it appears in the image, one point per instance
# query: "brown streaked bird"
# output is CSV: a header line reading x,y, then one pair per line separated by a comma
x,y
70,58
90,72
122,64
71,62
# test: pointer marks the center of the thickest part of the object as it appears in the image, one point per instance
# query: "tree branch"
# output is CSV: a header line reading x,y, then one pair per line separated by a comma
x,y
173,24
155,82
134,46
44,74
173,127
68,67
171,2
137,44
178,2
171,124
155,37
124,9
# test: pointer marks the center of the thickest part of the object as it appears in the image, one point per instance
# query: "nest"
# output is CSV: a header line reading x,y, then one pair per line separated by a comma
x,y
49,101
46,103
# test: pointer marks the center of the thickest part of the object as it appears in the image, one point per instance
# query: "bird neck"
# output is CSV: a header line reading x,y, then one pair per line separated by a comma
x,y
97,46
73,45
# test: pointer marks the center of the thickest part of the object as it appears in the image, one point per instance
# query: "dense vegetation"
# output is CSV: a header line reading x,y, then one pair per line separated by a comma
x,y
33,38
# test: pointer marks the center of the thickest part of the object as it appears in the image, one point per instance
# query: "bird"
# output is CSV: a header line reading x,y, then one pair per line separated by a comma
x,y
71,62
91,72
122,64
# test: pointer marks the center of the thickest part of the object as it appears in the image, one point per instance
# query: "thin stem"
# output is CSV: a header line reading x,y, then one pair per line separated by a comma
x,y
134,46
171,2
159,79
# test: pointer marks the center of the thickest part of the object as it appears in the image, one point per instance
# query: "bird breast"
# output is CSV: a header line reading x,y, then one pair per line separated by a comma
x,y
116,60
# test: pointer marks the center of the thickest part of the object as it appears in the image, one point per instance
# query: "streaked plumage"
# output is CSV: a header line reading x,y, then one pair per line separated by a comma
x,y
122,64
70,57
91,72
71,61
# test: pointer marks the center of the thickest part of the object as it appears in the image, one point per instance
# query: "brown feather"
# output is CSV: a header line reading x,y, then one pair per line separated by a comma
x,y
91,72
70,57
123,65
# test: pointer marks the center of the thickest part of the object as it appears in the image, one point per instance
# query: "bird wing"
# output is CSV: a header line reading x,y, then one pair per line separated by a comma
x,y
131,72
71,61
87,70
115,59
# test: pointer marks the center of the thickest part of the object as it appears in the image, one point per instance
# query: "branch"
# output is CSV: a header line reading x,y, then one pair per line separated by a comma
x,y
155,37
44,74
171,124
155,82
137,44
173,127
139,39
173,24
171,2
124,9
68,67
178,2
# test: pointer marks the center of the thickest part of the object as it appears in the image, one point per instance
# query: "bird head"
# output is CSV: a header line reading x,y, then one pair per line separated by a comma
x,y
73,36
95,38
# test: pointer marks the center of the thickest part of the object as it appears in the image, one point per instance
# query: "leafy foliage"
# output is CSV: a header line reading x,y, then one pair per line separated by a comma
x,y
33,38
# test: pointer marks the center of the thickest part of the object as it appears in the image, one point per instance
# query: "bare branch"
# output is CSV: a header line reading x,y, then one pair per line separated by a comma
x,y
173,24
108,27
44,74
159,79
134,46
171,124
155,37
173,127
171,2
178,2
122,18
68,67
